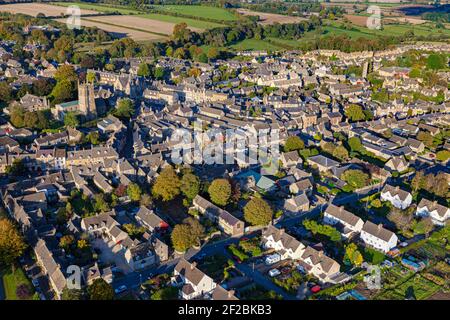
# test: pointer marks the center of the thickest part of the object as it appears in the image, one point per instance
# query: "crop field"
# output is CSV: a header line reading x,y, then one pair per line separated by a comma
x,y
139,23
32,9
192,23
119,31
270,18
199,11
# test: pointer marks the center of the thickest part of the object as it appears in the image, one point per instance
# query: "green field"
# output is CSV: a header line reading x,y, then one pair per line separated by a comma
x,y
253,44
199,11
12,280
98,7
334,27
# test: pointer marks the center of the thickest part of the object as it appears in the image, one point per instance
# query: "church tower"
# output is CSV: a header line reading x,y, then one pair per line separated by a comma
x,y
86,100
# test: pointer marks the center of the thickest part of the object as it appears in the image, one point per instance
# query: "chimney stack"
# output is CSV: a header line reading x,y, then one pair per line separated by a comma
x,y
193,265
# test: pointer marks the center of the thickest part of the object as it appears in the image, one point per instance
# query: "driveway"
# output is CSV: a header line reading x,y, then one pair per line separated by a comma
x,y
109,253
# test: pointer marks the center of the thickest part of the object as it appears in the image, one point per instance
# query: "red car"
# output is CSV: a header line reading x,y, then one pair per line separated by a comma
x,y
315,289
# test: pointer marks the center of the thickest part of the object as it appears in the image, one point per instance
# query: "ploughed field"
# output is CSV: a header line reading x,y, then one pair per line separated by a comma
x,y
33,9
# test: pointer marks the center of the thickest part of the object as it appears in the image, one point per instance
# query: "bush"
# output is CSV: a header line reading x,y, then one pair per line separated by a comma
x,y
238,253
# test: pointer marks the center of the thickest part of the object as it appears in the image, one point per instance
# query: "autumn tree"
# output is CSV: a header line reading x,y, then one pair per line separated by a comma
x,y
352,255
12,244
182,237
340,152
220,191
257,212
167,184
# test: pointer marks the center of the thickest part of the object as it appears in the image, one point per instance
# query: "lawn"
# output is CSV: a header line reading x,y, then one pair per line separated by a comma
x,y
11,281
199,11
254,44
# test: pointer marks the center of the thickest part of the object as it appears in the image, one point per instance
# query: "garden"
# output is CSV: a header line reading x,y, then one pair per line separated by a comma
x,y
17,286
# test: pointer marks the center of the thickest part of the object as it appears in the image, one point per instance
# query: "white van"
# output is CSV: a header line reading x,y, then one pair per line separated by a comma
x,y
274,272
273,258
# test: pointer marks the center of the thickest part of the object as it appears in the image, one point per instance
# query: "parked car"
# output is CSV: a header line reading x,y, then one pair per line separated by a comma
x,y
315,289
403,244
274,272
121,289
285,270
273,258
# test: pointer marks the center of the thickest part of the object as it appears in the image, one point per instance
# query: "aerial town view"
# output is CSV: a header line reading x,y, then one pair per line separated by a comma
x,y
225,150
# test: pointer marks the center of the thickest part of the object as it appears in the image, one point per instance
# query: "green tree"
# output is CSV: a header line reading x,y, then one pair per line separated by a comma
x,y
355,178
134,192
167,184
355,144
72,294
144,70
159,73
293,143
12,244
443,155
124,109
340,152
71,119
355,112
190,185
436,61
220,191
66,73
100,290
257,212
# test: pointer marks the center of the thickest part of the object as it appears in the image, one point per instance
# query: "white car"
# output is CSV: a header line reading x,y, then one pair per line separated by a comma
x,y
121,289
274,272
403,244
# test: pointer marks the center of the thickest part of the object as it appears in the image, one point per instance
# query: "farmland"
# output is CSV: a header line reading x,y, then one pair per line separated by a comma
x,y
270,18
199,11
193,23
140,23
119,31
32,9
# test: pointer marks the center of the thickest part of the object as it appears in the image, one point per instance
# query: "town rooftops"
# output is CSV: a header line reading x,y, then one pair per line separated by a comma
x,y
318,257
189,271
395,191
341,214
432,206
288,241
377,231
